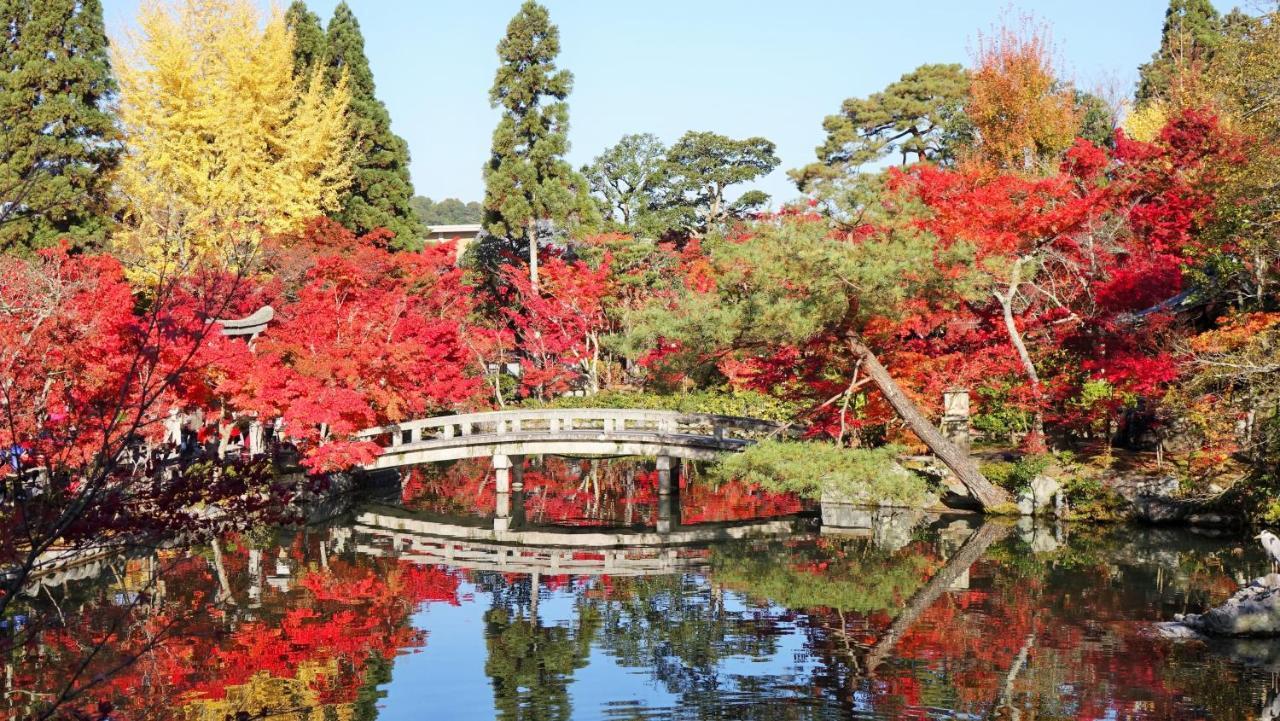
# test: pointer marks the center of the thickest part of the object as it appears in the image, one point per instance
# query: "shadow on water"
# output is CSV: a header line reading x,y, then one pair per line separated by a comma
x,y
872,614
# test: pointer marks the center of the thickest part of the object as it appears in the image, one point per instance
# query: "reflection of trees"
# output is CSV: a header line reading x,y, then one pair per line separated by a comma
x,y
885,633
838,573
683,632
1098,658
680,630
1049,636
316,640
531,665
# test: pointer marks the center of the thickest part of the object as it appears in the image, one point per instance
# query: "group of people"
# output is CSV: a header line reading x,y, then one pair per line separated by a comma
x,y
190,433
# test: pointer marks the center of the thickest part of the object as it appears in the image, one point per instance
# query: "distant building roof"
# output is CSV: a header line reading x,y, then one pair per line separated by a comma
x,y
465,228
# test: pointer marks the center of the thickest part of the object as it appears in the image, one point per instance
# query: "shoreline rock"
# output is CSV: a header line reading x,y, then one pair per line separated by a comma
x,y
1253,611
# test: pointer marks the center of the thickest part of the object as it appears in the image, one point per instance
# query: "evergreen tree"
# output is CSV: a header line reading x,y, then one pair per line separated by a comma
x,y
627,178
380,188
698,171
527,179
308,39
920,116
1192,30
57,140
1097,119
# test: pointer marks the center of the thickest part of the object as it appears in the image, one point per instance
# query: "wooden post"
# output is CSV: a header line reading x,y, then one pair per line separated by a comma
x,y
502,512
508,481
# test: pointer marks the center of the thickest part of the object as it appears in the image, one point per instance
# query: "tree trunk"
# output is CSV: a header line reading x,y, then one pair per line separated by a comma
x,y
958,461
1015,337
532,231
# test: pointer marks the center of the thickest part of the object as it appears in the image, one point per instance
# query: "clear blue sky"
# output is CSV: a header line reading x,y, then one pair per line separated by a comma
x,y
737,67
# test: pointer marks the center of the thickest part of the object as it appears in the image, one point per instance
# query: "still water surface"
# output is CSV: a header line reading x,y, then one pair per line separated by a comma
x,y
903,617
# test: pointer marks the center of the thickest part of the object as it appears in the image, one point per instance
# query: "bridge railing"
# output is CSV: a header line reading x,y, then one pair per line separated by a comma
x,y
560,421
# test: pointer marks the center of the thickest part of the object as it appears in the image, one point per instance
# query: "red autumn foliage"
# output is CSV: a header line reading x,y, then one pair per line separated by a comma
x,y
559,326
373,337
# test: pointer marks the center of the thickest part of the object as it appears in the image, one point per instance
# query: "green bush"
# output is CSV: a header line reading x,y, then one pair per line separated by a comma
x,y
997,417
748,404
812,468
1016,476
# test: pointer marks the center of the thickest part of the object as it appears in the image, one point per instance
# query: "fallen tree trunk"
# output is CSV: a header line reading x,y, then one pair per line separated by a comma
x,y
966,470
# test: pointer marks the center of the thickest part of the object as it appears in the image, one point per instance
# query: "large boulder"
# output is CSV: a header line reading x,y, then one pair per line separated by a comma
x,y
1253,611
867,497
1040,497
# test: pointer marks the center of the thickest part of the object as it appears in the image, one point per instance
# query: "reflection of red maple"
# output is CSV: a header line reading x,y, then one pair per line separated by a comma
x,y
967,642
336,620
565,491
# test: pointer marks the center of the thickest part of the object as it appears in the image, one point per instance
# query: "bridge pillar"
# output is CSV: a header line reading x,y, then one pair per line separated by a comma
x,y
502,485
502,473
668,493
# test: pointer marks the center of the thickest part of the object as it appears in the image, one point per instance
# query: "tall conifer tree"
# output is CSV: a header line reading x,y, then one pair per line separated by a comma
x,y
1192,31
57,139
527,178
308,39
380,189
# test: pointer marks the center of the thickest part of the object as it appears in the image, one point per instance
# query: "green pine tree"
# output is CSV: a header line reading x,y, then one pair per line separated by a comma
x,y
308,38
918,117
57,139
1192,31
527,179
380,189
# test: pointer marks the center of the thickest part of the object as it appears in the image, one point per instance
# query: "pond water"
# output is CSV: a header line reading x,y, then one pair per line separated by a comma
x,y
388,612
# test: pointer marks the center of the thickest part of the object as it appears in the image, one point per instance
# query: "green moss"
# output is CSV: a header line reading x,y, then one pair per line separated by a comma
x,y
1090,499
1003,509
854,575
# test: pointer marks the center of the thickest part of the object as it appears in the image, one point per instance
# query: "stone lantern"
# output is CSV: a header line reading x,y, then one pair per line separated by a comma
x,y
955,417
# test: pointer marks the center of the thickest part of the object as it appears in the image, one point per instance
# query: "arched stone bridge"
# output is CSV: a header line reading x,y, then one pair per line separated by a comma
x,y
578,431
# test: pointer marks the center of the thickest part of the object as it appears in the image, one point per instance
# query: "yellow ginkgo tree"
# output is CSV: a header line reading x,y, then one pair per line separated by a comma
x,y
224,146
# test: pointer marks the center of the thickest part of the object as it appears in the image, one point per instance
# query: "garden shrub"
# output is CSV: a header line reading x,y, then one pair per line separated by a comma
x,y
812,468
1017,475
749,404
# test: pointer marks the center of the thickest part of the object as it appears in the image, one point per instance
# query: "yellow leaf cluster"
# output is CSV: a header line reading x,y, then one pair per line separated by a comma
x,y
264,691
1146,121
224,145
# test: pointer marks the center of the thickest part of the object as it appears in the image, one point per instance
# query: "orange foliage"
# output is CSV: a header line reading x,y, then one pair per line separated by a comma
x,y
1021,110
